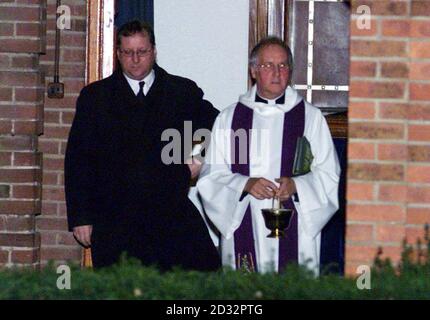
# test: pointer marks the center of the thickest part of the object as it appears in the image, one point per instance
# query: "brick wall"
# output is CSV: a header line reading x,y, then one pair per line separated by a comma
x,y
388,188
57,243
22,40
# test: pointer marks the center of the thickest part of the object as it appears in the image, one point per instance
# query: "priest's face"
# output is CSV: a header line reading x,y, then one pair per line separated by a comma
x,y
136,56
271,72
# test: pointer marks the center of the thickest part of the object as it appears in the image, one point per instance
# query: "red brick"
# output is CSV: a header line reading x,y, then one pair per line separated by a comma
x,y
50,178
394,70
396,28
44,223
359,232
378,48
28,29
419,91
360,150
379,130
19,207
21,79
420,29
415,234
48,238
67,117
419,195
26,192
18,175
19,224
52,117
73,55
361,110
66,102
420,49
51,194
419,112
27,61
5,159
16,143
23,14
28,127
27,159
390,233
363,254
25,256
419,132
53,164
420,8
363,69
5,126
6,29
29,94
419,71
382,7
359,191
371,89
418,216
5,95
393,193
61,253
418,174
56,132
19,240
66,238
374,171
49,147
21,45
396,152
49,208
419,153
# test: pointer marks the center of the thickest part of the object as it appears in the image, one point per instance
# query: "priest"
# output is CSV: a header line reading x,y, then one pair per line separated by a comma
x,y
249,163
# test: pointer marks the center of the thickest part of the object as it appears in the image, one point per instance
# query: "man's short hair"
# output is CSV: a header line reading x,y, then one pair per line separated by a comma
x,y
131,28
271,41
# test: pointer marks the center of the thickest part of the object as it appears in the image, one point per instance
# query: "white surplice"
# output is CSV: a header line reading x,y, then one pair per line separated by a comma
x,y
220,189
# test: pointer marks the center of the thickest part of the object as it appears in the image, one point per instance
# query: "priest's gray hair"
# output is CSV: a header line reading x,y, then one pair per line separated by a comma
x,y
270,41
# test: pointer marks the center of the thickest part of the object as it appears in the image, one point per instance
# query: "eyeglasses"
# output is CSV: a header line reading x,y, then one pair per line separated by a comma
x,y
269,66
140,53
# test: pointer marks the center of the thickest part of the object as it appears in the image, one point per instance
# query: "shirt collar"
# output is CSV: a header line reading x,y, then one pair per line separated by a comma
x,y
134,84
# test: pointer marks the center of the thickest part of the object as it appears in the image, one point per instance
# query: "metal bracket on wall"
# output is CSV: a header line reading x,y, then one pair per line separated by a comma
x,y
56,88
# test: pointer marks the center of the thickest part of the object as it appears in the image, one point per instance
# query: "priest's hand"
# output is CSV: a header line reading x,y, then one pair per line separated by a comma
x,y
286,189
261,188
83,235
195,166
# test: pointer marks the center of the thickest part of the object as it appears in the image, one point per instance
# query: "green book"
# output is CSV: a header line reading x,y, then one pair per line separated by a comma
x,y
303,157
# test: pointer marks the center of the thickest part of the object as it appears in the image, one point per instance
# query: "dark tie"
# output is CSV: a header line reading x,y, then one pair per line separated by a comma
x,y
140,94
280,100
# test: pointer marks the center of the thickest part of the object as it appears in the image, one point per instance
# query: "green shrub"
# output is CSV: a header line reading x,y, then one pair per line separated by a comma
x,y
129,280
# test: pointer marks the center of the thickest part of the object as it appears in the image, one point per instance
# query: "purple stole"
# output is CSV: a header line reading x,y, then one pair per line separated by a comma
x,y
294,123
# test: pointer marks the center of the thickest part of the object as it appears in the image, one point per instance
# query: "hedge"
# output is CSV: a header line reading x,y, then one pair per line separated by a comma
x,y
129,280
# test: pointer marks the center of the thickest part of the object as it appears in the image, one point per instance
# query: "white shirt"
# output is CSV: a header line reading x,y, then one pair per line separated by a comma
x,y
134,84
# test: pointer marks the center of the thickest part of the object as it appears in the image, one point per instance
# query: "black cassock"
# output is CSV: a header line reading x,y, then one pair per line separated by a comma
x,y
116,181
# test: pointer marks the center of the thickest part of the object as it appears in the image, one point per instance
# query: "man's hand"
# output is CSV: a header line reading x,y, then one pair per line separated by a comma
x,y
261,188
286,189
83,234
195,167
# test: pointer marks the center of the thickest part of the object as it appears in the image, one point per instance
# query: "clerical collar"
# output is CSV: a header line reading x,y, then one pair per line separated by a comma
x,y
134,84
279,100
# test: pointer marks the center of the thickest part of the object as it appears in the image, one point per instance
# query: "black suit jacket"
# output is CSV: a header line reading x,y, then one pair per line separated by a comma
x,y
116,181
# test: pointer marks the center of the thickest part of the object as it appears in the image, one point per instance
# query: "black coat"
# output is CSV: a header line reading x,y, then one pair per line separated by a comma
x,y
115,179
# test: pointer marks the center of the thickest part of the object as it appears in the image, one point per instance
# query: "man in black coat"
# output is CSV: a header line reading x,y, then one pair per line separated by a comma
x,y
120,195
